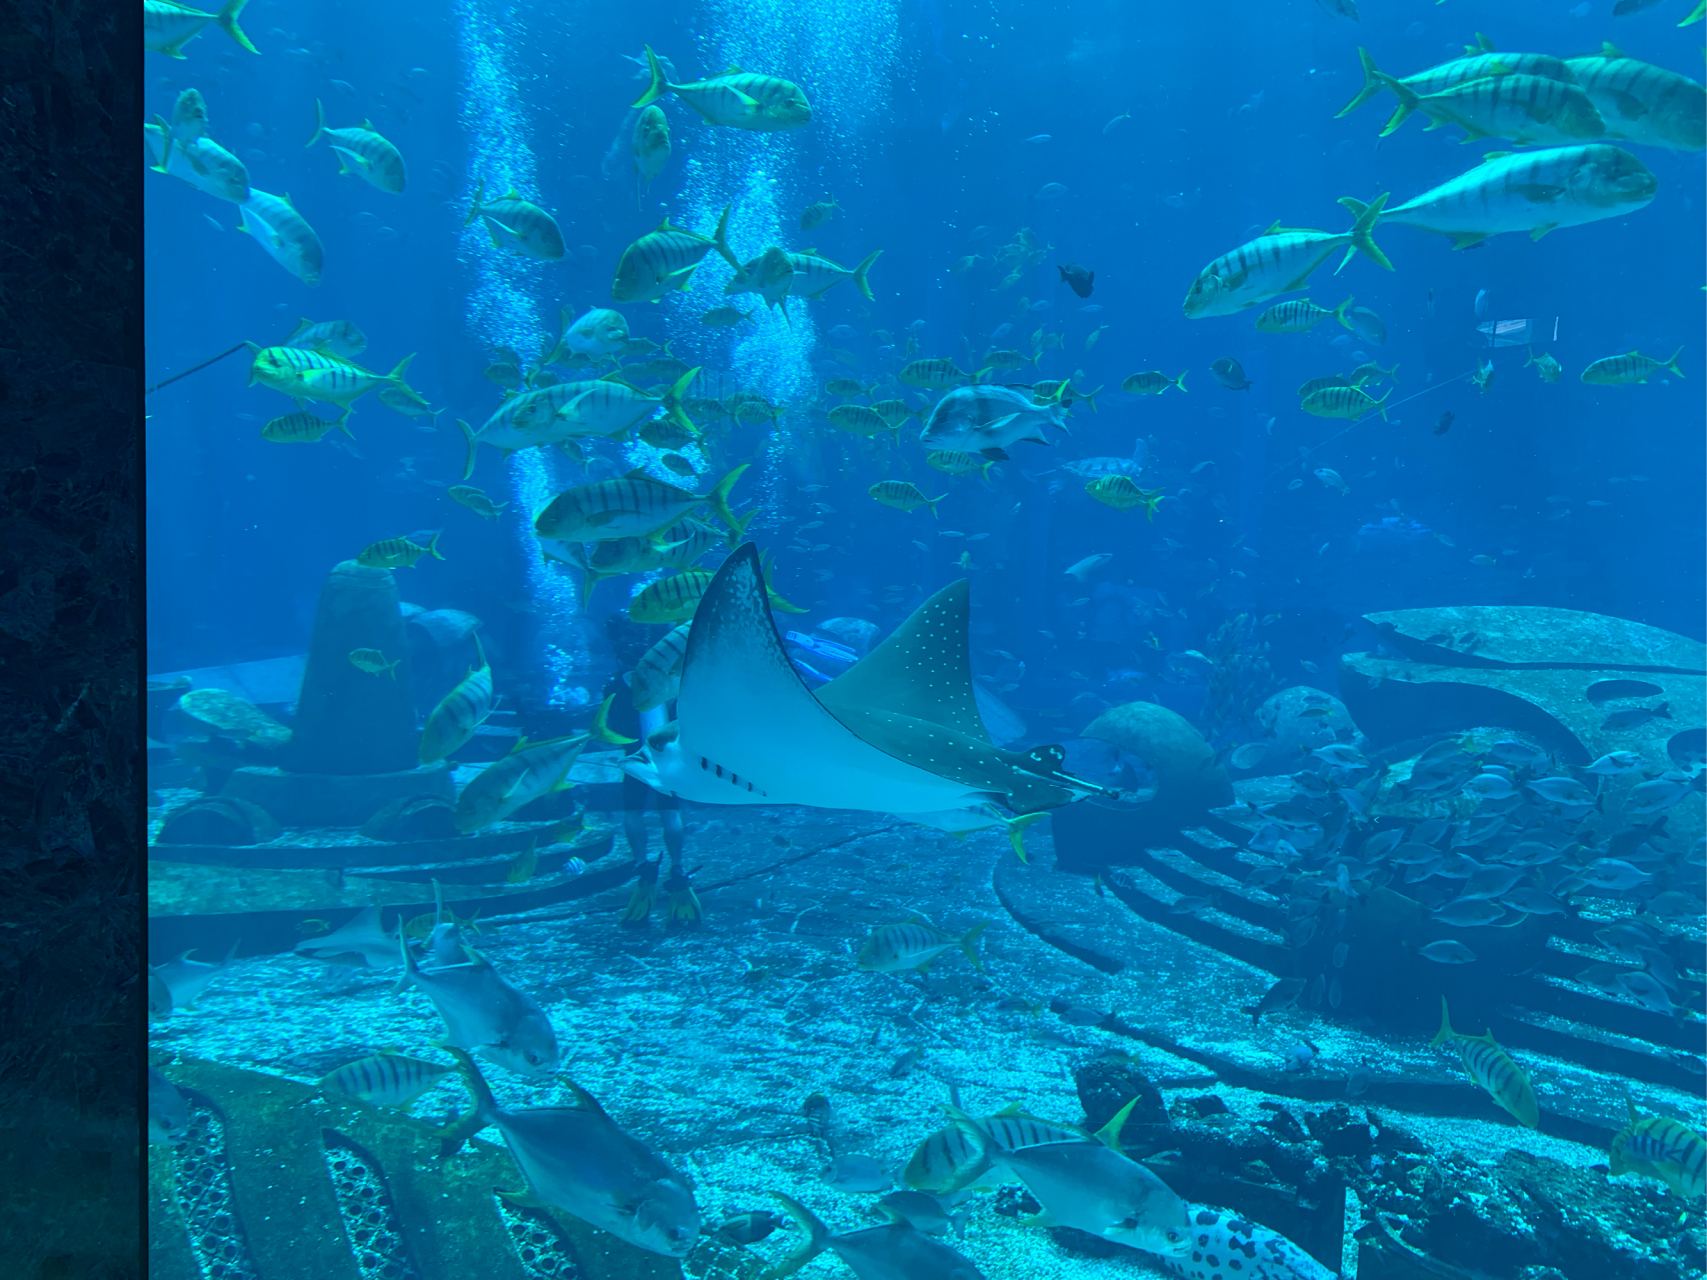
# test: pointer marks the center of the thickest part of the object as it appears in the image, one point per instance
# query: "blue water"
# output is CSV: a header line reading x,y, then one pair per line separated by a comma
x,y
928,118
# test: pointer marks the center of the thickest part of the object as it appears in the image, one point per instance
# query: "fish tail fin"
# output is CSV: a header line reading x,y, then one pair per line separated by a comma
x,y
673,399
1109,1134
601,730
1180,381
1408,98
1339,312
1363,232
468,439
969,943
1446,1032
227,19
319,125
455,1134
817,1240
1016,831
433,546
474,207
589,580
718,498
1672,363
343,423
860,282
659,84
165,148
720,240
1371,85
396,376
1090,398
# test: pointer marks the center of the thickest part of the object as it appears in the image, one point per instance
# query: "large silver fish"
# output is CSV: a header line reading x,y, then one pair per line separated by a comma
x,y
893,1251
1094,1187
482,1011
575,1158
527,773
986,419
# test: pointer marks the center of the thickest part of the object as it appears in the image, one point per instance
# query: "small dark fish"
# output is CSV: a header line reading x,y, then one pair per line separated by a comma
x,y
821,1120
749,1228
1624,8
904,1065
1281,995
1630,717
1340,8
1228,373
1443,423
1078,278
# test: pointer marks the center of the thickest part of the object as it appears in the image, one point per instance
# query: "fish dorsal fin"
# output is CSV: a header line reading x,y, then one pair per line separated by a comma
x,y
1109,1134
368,125
1012,1109
1610,50
922,670
1274,228
734,70
639,473
586,1101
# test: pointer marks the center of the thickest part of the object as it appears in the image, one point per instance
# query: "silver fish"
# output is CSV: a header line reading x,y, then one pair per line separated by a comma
x,y
1094,1187
577,1159
482,1011
894,1251
183,980
364,937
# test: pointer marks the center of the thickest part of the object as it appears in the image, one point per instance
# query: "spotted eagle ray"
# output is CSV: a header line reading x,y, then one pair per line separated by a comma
x,y
898,732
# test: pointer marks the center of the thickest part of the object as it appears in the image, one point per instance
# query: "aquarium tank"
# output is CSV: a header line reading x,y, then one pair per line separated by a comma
x,y
923,640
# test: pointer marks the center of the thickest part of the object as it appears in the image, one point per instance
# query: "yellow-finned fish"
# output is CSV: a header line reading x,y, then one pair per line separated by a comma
x,y
933,375
1633,366
666,258
1492,1068
373,662
903,496
274,224
1533,191
957,462
1642,103
1280,260
168,27
517,224
739,99
1663,1148
1122,493
1152,382
385,1079
1480,62
1300,315
460,712
530,771
657,676
1529,110
397,553
363,152
304,428
913,944
1343,402
857,419
633,506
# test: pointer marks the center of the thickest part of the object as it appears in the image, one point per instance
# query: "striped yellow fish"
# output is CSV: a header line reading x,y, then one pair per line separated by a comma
x,y
1299,316
530,771
913,944
385,1079
1477,64
1641,103
1308,389
168,27
1663,1148
274,224
665,259
1343,402
952,1159
957,462
1492,1068
460,712
517,224
1633,366
1533,191
1529,110
363,152
903,496
658,675
933,375
1122,493
737,98
1280,261
671,599
309,375
1152,382
633,506
304,428
858,420
397,553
